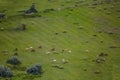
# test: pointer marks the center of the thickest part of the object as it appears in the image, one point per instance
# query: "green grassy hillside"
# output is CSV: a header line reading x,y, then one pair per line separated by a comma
x,y
83,28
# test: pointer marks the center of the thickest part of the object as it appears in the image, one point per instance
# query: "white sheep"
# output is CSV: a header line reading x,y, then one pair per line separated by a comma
x,y
59,9
30,47
1,28
65,49
54,60
48,52
5,52
69,51
26,49
64,61
87,50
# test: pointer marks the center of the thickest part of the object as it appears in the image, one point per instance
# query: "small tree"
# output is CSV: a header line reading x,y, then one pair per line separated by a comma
x,y
35,70
14,61
2,15
5,72
33,9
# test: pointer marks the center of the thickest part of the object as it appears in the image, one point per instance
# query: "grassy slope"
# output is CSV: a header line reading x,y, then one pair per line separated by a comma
x,y
41,31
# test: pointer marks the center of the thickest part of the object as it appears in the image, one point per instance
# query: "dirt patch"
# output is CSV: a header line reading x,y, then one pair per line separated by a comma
x,y
111,30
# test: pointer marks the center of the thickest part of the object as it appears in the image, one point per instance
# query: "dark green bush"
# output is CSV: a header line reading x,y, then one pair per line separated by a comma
x,y
5,72
35,70
31,10
14,61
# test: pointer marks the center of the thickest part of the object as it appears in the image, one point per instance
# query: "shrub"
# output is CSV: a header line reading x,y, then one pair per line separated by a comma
x,y
5,72
31,10
14,61
2,15
35,70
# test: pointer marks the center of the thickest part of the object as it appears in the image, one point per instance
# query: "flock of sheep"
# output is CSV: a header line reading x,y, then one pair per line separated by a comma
x,y
49,52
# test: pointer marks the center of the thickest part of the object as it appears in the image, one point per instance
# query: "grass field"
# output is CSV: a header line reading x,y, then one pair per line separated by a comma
x,y
80,26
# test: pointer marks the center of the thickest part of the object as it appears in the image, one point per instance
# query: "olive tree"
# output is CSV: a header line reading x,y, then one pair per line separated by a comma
x,y
14,61
5,72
